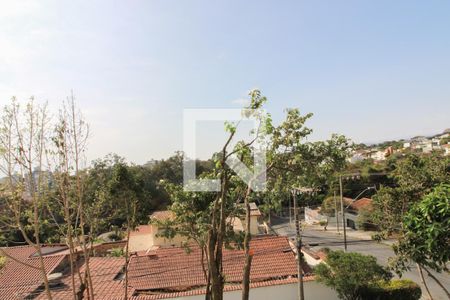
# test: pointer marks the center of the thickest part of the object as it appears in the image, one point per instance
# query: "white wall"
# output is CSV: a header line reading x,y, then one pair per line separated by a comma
x,y
313,290
254,225
140,242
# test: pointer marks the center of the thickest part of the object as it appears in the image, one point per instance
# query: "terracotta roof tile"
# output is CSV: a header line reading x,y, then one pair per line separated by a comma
x,y
16,279
254,210
174,271
361,203
104,274
166,272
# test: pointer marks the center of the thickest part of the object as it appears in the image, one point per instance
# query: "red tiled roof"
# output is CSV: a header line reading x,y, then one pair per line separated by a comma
x,y
18,280
104,272
175,271
169,272
361,203
254,210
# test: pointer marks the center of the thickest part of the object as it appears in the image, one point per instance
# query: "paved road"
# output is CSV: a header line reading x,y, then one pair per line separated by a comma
x,y
318,238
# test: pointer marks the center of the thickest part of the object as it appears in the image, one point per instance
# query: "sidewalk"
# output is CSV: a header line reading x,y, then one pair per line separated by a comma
x,y
357,234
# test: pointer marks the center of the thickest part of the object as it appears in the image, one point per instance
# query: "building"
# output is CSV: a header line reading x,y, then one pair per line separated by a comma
x,y
164,273
354,210
446,149
21,277
352,213
255,220
150,237
359,155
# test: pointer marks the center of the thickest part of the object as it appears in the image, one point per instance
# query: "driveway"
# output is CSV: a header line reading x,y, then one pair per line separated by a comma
x,y
317,238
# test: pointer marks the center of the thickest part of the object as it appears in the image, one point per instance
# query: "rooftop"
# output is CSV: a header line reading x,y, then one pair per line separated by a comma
x,y
363,203
22,276
171,272
158,274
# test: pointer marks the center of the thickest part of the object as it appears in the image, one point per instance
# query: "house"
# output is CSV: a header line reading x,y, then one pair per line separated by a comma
x,y
164,273
22,277
359,155
446,149
149,237
352,213
172,273
378,155
354,210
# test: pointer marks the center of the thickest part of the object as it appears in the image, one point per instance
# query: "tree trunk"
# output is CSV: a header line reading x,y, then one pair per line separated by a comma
x,y
214,268
419,268
206,274
127,261
248,254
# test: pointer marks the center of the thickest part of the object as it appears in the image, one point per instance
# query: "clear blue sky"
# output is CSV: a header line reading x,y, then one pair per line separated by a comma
x,y
373,70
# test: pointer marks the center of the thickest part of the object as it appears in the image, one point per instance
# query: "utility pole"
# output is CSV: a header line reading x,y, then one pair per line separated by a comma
x,y
336,212
301,294
343,213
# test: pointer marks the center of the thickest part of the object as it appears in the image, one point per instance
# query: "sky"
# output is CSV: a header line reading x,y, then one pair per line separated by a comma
x,y
372,70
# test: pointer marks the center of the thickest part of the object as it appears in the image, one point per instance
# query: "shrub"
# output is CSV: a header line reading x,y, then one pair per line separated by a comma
x,y
350,272
116,252
392,290
115,236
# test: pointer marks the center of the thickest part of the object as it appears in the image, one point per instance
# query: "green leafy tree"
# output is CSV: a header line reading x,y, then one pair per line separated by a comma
x,y
426,235
350,273
413,177
290,161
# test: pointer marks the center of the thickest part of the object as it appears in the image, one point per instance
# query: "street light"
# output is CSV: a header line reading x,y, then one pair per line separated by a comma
x,y
344,221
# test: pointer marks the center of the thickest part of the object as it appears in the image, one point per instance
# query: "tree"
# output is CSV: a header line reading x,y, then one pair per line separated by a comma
x,y
123,187
349,273
413,177
192,219
69,139
23,136
44,185
290,161
425,238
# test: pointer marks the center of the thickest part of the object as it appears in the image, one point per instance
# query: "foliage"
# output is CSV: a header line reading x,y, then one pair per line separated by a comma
x,y
365,219
349,273
392,290
116,252
2,262
445,140
328,206
426,235
413,177
115,237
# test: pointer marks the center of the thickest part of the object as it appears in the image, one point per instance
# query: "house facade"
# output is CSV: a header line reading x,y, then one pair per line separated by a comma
x,y
352,213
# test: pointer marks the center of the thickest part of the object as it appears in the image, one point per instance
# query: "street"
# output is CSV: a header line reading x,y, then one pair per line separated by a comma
x,y
317,238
